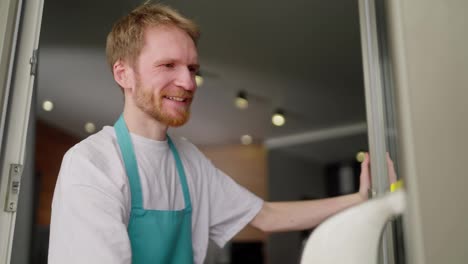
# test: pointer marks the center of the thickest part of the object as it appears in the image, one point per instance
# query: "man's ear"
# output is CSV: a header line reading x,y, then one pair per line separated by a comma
x,y
123,74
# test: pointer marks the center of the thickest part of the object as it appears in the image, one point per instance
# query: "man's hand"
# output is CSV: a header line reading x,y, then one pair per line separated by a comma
x,y
365,178
392,177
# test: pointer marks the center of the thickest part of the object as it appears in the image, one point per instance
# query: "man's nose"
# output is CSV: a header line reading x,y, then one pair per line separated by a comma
x,y
185,79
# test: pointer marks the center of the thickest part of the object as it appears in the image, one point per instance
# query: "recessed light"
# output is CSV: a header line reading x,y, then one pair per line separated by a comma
x,y
360,156
90,127
278,118
241,100
198,80
246,140
47,105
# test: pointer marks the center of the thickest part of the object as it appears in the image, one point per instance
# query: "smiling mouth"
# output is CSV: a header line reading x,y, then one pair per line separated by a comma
x,y
177,99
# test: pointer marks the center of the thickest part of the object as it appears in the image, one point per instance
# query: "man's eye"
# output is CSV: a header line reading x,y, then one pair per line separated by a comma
x,y
169,65
193,69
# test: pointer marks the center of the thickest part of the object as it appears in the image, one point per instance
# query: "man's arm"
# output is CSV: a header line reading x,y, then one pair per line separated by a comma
x,y
300,215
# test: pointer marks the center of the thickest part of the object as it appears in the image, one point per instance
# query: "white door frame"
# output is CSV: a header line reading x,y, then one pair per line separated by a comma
x,y
23,22
375,78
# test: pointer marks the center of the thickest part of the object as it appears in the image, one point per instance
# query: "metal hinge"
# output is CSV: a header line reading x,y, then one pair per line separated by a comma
x,y
33,62
13,187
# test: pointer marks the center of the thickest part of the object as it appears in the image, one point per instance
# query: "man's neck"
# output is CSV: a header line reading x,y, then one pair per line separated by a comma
x,y
142,124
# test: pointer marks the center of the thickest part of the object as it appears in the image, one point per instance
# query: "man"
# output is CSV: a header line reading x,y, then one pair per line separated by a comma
x,y
131,194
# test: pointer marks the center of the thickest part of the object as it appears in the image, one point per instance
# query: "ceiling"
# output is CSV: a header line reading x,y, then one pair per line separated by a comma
x,y
303,56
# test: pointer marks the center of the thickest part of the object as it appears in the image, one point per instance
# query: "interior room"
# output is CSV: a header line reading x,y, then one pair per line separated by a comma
x,y
301,58
290,96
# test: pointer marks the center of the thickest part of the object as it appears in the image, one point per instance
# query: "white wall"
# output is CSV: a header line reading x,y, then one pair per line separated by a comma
x,y
429,43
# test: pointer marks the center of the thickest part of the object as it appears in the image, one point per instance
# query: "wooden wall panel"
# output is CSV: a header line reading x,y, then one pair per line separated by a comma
x,y
247,165
51,145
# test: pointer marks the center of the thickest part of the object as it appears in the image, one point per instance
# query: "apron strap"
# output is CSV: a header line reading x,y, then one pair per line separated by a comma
x,y
181,171
131,167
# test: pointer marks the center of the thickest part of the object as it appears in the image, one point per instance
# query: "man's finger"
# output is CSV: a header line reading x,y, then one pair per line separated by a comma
x,y
392,177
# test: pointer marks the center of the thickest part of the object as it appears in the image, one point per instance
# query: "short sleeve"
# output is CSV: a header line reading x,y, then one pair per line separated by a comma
x,y
88,219
232,206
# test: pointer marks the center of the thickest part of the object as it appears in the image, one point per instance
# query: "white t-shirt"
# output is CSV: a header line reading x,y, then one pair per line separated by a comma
x,y
92,201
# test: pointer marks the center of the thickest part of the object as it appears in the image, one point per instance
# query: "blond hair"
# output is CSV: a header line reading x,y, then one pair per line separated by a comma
x,y
126,39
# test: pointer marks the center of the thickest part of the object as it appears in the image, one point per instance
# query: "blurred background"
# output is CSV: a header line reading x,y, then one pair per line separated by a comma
x,y
301,59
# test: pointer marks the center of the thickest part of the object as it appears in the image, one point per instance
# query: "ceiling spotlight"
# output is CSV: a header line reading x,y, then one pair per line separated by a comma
x,y
90,127
278,118
360,156
198,80
47,106
241,100
246,140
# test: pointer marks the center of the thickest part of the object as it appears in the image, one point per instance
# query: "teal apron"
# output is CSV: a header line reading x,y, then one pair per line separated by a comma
x,y
156,236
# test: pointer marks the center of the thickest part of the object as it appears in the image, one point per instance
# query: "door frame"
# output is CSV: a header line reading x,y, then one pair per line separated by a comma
x,y
19,53
379,107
